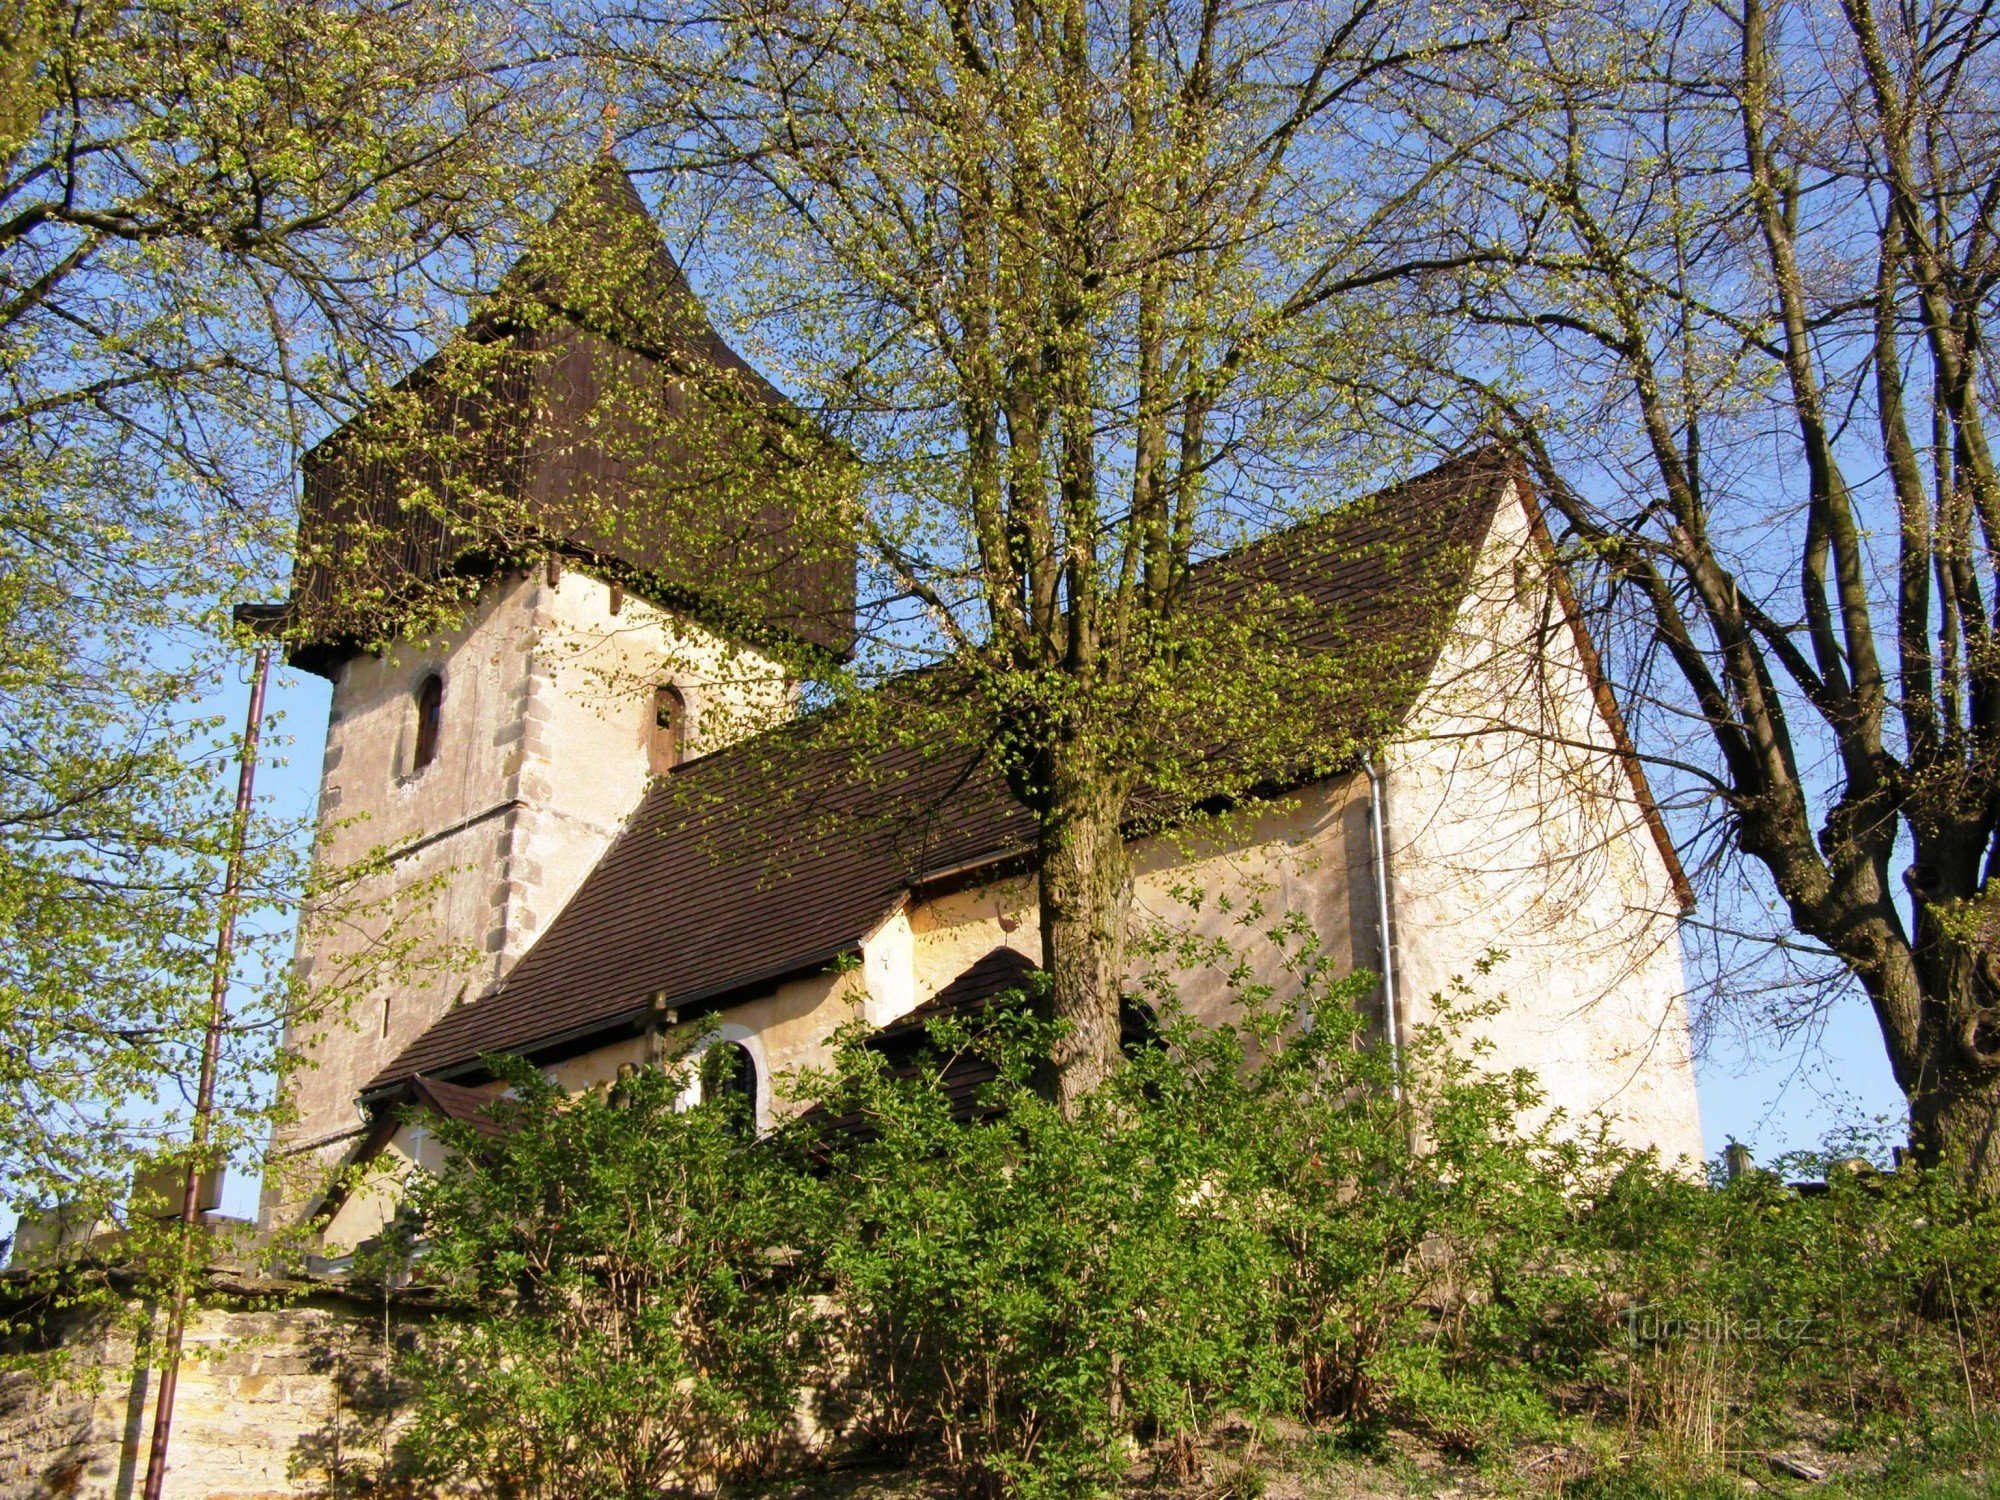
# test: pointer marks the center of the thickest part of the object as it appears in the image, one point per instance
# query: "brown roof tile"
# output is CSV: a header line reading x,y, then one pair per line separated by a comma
x,y
772,858
967,997
760,862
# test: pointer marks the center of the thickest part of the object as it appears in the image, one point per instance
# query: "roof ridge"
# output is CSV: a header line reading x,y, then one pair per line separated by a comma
x,y
1495,453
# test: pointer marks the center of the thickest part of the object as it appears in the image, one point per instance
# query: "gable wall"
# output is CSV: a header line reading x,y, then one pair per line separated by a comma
x,y
1515,826
372,1203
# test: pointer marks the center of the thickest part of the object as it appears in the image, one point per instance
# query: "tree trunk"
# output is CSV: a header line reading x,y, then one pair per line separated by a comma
x,y
1085,898
1958,1129
1938,1005
1954,1091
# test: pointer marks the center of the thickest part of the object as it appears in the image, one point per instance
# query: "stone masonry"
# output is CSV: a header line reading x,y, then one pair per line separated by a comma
x,y
274,1400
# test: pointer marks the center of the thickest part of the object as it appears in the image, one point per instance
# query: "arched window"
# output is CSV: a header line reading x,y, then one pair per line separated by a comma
x,y
729,1078
430,718
669,723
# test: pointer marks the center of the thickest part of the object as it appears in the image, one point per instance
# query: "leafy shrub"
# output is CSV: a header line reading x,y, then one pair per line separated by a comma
x,y
1237,1221
1026,1289
1875,1302
633,1327
1273,1218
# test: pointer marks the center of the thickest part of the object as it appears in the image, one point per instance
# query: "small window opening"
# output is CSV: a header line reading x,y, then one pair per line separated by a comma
x,y
729,1078
1138,1027
430,718
669,722
385,1015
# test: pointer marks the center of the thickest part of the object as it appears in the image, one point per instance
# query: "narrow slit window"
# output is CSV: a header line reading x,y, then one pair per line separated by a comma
x,y
669,724
430,718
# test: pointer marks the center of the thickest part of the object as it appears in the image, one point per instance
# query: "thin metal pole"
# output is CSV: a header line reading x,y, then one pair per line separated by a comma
x,y
211,1046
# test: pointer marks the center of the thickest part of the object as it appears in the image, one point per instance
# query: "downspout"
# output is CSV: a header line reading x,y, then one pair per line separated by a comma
x,y
1378,823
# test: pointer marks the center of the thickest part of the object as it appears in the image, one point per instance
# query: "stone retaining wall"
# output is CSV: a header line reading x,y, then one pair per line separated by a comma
x,y
274,1400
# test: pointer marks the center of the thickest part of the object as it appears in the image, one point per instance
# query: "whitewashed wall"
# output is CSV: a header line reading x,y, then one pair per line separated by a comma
x,y
1516,830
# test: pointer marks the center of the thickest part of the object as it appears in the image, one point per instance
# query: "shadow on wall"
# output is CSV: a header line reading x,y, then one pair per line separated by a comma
x,y
288,1400
351,1452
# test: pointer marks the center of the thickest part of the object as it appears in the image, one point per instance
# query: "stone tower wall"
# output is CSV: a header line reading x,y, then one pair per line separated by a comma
x,y
285,1401
542,753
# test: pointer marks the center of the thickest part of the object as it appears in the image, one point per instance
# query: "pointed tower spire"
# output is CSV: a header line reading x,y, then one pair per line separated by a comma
x,y
589,410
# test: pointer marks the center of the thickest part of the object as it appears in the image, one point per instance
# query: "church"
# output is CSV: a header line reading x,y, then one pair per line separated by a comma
x,y
593,822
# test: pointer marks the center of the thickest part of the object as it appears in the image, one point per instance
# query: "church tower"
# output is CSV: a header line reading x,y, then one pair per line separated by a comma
x,y
584,542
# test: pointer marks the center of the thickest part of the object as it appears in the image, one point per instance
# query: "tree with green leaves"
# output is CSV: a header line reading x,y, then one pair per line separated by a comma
x,y
219,226
1090,293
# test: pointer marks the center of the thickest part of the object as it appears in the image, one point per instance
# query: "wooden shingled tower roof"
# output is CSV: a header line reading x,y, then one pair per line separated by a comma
x,y
589,410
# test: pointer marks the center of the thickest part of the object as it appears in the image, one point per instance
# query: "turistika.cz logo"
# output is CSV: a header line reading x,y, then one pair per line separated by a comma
x,y
1646,1325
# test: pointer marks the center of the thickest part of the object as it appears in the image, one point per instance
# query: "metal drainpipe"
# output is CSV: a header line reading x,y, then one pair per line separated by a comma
x,y
1378,819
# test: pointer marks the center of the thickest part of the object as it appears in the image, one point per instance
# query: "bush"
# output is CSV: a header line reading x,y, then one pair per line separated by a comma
x,y
633,1327
1029,1289
1270,1219
1875,1302
1211,1234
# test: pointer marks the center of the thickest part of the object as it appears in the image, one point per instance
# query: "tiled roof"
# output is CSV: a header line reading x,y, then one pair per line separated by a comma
x,y
431,1096
743,868
774,857
449,1100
